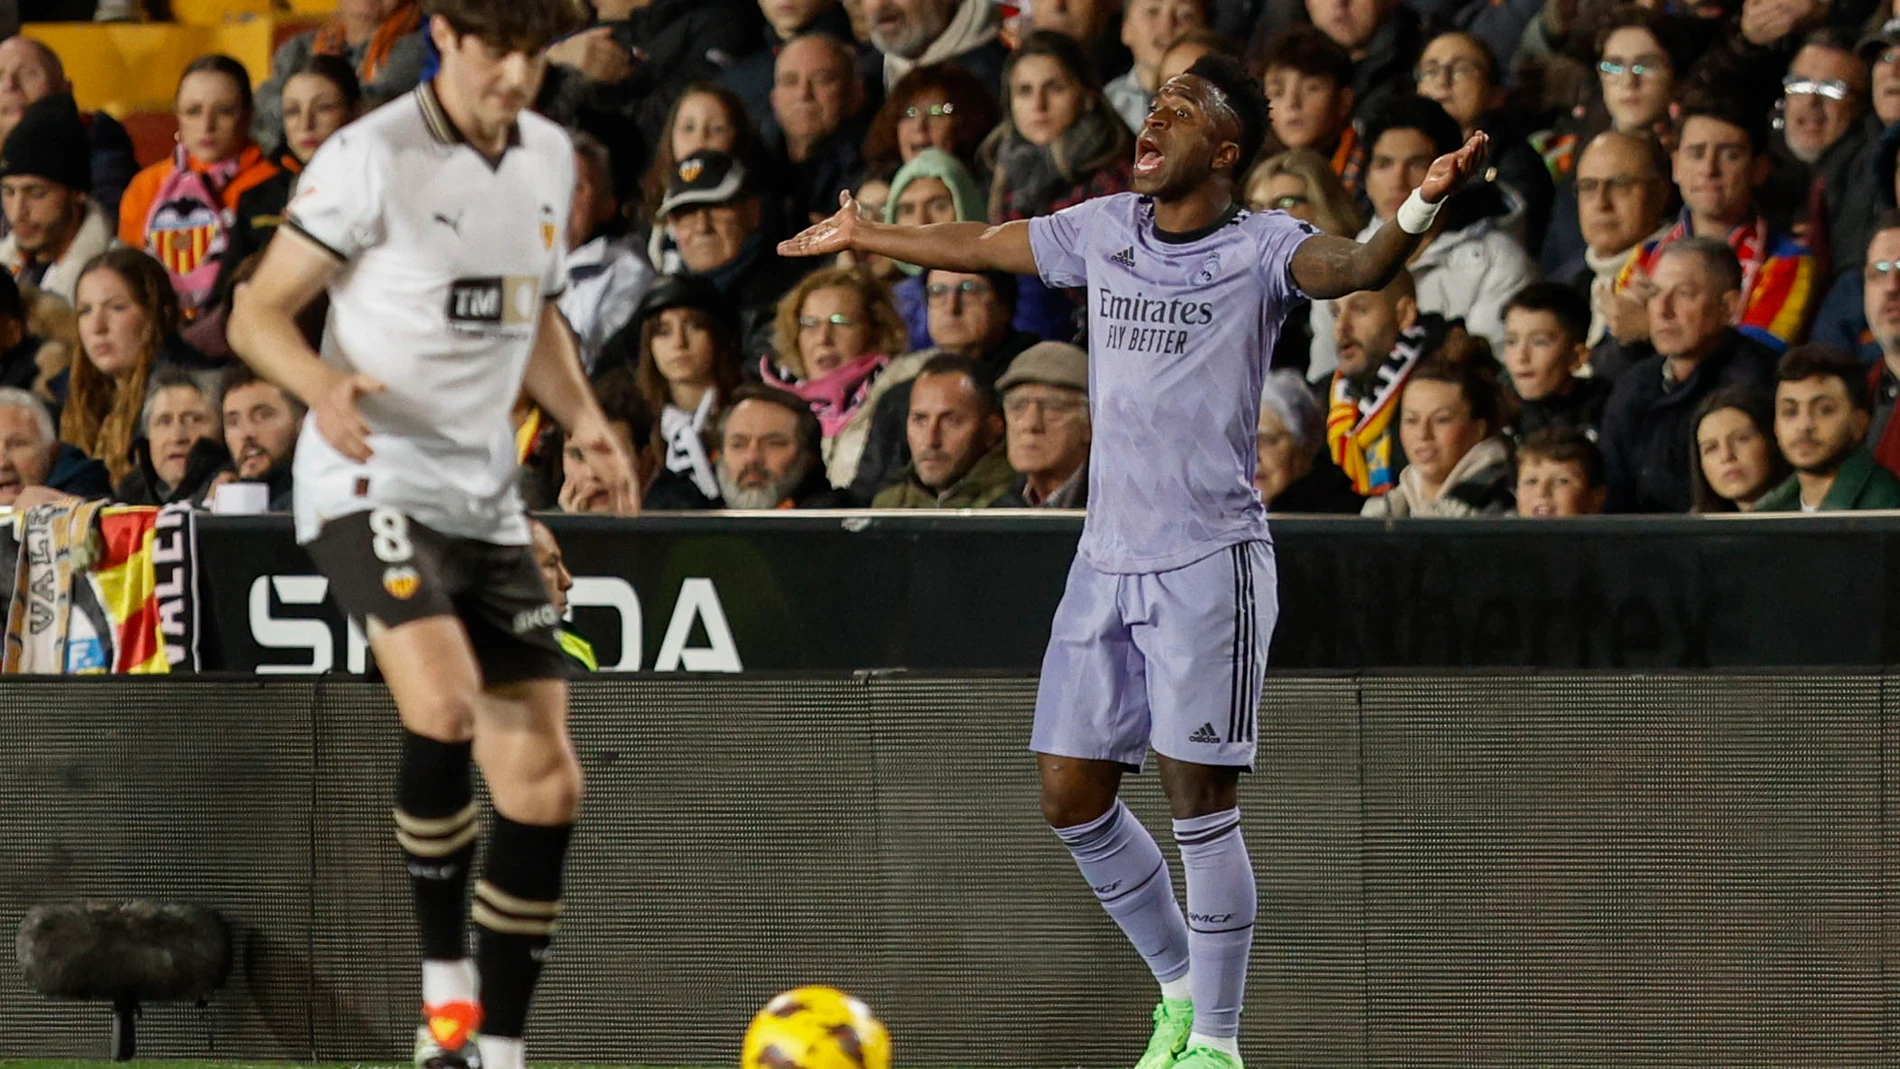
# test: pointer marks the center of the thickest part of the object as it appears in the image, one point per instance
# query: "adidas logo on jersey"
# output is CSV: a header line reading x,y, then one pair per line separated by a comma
x,y
1126,258
1205,735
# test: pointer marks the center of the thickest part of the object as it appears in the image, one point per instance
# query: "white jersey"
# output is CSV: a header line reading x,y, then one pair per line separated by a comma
x,y
447,259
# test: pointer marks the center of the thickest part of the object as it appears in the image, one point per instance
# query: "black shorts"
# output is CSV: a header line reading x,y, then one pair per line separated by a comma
x,y
386,567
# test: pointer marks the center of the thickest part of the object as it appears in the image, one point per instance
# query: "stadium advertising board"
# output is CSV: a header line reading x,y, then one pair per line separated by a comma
x,y
838,592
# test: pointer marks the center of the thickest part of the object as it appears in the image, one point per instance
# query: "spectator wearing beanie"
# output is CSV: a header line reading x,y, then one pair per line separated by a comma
x,y
31,72
53,224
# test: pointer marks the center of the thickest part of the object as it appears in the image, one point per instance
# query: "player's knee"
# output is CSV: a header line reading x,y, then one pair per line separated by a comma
x,y
1067,805
446,714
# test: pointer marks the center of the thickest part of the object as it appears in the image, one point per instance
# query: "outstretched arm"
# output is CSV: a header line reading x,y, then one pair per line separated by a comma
x,y
947,246
1327,267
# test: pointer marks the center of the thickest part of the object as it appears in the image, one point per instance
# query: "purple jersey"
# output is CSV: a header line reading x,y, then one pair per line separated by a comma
x,y
1179,336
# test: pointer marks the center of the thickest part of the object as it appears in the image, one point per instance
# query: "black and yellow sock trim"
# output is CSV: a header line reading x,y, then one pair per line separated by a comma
x,y
434,837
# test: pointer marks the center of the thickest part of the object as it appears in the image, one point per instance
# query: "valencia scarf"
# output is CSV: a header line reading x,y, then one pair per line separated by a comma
x,y
1359,430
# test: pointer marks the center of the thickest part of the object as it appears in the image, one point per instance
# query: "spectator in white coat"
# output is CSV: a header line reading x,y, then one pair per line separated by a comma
x,y
1468,264
607,273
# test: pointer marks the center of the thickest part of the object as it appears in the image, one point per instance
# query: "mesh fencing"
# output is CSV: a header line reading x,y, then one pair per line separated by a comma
x,y
1456,870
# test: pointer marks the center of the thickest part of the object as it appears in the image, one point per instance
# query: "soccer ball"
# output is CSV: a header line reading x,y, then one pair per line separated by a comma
x,y
816,1028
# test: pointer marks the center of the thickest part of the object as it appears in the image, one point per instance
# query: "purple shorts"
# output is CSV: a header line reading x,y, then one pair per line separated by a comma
x,y
1172,659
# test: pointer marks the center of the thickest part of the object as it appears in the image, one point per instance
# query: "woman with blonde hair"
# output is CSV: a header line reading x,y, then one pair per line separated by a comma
x,y
836,334
1301,183
128,323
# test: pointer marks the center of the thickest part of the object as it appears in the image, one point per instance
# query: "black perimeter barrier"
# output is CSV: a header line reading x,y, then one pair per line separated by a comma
x,y
1459,866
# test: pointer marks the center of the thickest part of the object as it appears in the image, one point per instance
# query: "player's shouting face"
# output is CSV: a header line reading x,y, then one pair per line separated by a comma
x,y
1190,132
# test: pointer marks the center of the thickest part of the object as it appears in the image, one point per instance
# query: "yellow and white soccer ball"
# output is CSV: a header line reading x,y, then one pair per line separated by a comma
x,y
816,1028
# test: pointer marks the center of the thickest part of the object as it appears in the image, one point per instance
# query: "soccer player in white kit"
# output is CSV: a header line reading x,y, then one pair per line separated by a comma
x,y
436,224
1161,637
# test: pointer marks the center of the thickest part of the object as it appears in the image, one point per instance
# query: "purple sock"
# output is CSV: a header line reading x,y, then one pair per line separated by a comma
x,y
1125,869
1222,903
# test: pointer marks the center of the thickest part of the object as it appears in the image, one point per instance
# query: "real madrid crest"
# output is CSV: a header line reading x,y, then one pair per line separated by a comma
x,y
1210,270
401,581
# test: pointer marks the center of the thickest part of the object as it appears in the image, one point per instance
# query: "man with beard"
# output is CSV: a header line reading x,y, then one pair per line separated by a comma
x,y
1380,336
918,33
261,424
768,453
1821,417
54,226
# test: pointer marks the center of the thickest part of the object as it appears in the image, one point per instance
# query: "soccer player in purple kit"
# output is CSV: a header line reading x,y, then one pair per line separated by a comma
x,y
1161,637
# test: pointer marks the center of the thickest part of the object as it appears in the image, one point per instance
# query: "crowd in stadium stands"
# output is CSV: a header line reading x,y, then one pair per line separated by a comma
x,y
1678,290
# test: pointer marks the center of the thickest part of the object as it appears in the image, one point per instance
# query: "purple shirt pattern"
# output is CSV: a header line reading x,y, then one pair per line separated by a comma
x,y
1179,339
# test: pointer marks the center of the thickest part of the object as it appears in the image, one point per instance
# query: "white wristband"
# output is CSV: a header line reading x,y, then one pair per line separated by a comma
x,y
1415,216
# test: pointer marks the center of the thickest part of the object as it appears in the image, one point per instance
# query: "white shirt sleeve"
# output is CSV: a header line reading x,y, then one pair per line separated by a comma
x,y
339,200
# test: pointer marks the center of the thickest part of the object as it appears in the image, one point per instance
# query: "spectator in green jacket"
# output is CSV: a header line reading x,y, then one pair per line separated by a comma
x,y
955,430
1822,410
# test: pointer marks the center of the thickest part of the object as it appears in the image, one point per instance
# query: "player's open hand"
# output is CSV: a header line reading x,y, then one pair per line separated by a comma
x,y
828,236
608,462
339,419
1453,170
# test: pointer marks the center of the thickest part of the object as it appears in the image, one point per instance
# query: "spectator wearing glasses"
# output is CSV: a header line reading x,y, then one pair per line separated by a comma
x,y
1291,469
1639,53
941,106
1880,289
969,316
835,336
934,187
1721,159
1460,73
816,100
1828,139
1308,79
1301,184
753,76
1621,187
1046,426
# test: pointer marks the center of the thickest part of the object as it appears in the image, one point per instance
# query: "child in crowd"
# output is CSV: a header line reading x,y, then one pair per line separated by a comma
x,y
1559,473
1545,324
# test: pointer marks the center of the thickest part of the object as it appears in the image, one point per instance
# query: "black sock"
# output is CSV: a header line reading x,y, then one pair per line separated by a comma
x,y
437,827
517,905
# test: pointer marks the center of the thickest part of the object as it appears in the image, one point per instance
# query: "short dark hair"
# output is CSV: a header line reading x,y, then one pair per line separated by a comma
x,y
1308,51
1247,97
241,374
1715,254
954,364
1564,302
517,25
1409,111
1564,445
219,63
618,392
1889,219
1709,104
810,434
1814,361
